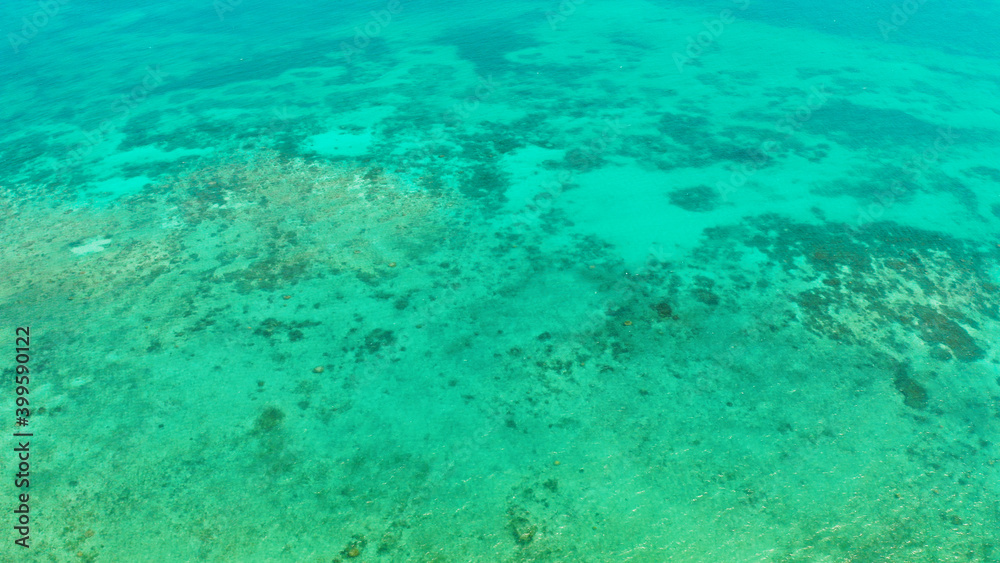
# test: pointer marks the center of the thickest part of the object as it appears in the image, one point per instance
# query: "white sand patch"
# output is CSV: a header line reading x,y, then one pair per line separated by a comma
x,y
96,245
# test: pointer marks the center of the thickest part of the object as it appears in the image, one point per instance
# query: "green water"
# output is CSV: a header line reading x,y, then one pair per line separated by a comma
x,y
470,282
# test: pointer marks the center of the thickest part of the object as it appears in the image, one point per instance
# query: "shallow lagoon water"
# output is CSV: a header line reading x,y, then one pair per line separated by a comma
x,y
457,281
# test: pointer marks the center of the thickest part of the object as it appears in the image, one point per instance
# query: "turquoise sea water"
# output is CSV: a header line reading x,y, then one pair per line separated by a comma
x,y
442,281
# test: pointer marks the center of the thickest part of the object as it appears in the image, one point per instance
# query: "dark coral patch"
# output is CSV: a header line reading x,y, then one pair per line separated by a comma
x,y
914,394
376,339
699,199
936,328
